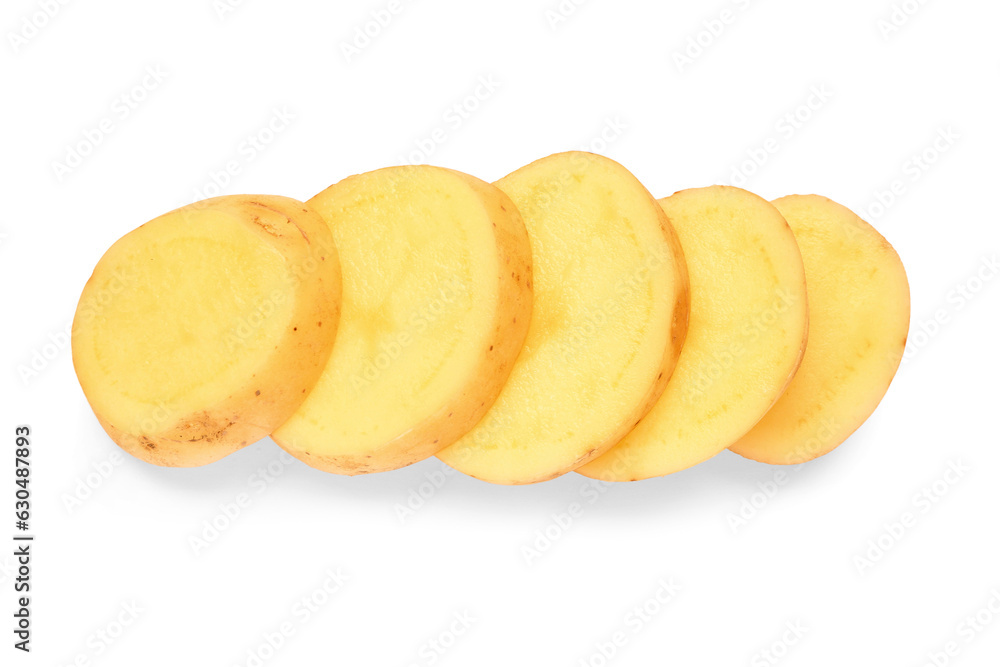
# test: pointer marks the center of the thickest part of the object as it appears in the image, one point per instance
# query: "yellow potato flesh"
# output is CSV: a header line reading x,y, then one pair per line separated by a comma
x,y
437,301
611,302
745,338
201,331
859,310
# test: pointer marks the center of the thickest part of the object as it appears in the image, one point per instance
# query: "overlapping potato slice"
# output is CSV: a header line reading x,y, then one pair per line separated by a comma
x,y
859,310
437,301
745,339
611,307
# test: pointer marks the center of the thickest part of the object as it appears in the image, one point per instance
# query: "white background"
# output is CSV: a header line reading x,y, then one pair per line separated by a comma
x,y
611,68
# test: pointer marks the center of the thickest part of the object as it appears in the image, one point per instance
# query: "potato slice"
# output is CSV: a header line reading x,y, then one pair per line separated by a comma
x,y
611,307
437,301
859,314
749,321
202,330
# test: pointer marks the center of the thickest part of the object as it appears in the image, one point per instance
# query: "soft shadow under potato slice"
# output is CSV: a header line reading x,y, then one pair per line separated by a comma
x,y
859,314
611,306
746,336
437,301
202,330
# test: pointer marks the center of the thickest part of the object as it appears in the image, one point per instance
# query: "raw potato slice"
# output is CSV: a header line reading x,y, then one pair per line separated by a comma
x,y
859,310
202,330
747,333
611,309
437,301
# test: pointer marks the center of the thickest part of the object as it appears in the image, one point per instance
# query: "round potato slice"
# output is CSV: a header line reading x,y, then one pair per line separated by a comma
x,y
611,309
202,330
747,333
437,301
859,314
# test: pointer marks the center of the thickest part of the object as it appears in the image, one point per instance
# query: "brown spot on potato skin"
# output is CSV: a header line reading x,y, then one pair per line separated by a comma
x,y
266,227
174,448
205,428
257,393
270,228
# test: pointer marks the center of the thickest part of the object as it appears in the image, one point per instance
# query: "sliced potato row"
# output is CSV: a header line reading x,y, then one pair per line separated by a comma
x,y
561,319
